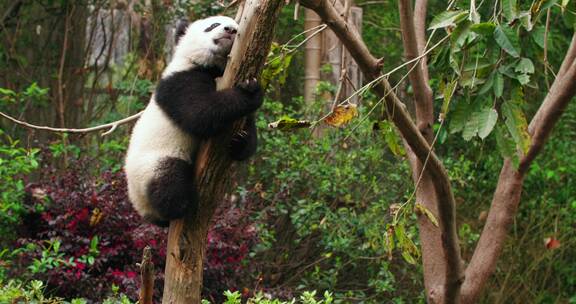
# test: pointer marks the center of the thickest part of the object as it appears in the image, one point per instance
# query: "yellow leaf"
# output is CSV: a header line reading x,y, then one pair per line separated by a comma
x,y
342,115
420,209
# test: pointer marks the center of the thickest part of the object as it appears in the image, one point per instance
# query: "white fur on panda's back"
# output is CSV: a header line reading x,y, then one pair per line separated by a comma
x,y
154,137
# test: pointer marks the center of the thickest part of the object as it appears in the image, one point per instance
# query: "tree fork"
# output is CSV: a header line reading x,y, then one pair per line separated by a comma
x,y
187,236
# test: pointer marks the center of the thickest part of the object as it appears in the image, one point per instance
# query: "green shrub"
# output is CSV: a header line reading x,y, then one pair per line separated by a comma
x,y
16,292
15,163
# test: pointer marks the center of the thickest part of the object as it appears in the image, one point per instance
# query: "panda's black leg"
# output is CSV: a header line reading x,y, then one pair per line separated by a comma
x,y
244,144
156,221
172,192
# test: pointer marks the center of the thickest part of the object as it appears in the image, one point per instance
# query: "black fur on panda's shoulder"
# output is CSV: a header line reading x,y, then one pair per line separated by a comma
x,y
190,99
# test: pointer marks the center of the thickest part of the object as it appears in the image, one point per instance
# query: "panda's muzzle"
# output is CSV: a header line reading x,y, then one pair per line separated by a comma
x,y
226,36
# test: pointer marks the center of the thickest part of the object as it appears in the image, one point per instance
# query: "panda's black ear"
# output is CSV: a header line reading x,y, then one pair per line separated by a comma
x,y
181,26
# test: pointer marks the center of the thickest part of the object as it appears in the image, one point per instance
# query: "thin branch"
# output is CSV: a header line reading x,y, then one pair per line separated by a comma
x,y
381,77
545,59
110,126
420,11
556,101
61,102
422,91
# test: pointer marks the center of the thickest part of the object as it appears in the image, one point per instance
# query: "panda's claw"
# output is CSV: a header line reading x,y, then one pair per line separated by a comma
x,y
249,85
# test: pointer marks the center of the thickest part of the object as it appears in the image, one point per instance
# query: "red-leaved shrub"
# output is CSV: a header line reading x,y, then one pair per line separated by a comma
x,y
75,208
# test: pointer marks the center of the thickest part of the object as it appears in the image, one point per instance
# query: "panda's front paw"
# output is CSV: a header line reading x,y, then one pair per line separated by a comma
x,y
252,89
250,86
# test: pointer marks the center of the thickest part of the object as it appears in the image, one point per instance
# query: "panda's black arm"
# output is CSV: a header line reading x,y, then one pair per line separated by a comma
x,y
190,99
244,143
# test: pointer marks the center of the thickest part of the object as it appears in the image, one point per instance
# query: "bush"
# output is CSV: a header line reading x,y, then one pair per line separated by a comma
x,y
324,207
81,235
86,235
15,162
15,291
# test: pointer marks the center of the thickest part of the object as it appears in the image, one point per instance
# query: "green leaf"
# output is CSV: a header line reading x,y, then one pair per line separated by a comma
x,y
525,66
488,84
506,145
569,18
516,122
459,116
498,85
479,64
526,20
447,18
409,249
400,233
461,35
484,28
547,4
471,127
538,35
523,79
510,9
408,257
480,122
288,123
390,136
423,210
393,141
8,92
448,91
508,40
487,120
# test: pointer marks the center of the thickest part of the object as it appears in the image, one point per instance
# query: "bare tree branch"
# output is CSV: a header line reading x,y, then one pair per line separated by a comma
x,y
418,144
569,58
420,11
110,126
554,104
419,81
508,192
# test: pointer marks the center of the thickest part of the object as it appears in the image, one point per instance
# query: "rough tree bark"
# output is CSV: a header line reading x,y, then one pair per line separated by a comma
x,y
187,237
146,277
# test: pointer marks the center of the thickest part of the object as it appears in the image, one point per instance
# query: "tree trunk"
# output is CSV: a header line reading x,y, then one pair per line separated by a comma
x,y
332,50
187,237
312,56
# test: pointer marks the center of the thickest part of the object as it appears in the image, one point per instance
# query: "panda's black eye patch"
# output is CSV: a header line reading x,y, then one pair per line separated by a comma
x,y
213,26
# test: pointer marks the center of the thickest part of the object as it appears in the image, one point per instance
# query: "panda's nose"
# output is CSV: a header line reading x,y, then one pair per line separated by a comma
x,y
230,30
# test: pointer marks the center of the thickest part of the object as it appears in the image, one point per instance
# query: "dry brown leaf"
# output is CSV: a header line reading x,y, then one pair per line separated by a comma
x,y
341,115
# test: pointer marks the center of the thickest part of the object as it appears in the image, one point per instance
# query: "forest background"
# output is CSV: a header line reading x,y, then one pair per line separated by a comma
x,y
326,208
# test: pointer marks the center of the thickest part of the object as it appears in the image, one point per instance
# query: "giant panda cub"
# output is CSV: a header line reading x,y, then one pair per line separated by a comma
x,y
185,109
